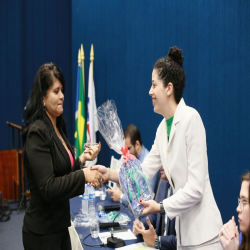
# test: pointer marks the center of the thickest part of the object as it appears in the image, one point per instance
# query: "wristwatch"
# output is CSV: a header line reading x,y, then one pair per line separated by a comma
x,y
157,243
162,210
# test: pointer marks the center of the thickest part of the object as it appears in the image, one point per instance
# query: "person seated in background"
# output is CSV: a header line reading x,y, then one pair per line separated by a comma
x,y
157,230
133,141
229,234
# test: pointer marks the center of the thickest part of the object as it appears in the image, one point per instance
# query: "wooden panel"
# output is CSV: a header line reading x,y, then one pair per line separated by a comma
x,y
9,175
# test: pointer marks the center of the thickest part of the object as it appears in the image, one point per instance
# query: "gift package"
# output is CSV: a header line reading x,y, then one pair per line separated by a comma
x,y
133,182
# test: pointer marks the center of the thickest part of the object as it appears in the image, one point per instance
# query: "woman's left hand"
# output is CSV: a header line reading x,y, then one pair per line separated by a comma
x,y
150,207
90,153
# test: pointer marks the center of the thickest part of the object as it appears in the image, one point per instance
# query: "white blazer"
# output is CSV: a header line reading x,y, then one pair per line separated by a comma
x,y
184,158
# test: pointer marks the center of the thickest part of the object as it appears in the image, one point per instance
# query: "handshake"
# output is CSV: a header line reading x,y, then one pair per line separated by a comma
x,y
96,175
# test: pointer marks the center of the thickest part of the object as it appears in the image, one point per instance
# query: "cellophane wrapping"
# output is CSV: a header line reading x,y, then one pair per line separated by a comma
x,y
133,182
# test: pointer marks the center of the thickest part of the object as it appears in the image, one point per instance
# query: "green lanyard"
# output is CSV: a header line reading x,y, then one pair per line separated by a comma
x,y
132,175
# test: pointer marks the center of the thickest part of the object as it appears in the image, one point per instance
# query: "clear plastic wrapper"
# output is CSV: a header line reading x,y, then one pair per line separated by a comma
x,y
132,180
109,125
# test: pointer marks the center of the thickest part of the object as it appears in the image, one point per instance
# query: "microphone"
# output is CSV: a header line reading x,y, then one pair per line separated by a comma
x,y
112,241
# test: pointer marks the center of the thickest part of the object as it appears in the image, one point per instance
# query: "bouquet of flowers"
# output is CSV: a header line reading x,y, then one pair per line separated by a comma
x,y
132,180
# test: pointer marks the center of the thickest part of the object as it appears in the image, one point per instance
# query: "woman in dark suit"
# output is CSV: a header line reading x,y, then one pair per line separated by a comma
x,y
54,176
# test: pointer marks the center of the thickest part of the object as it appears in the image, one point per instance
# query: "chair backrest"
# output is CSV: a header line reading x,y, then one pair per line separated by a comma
x,y
114,164
74,238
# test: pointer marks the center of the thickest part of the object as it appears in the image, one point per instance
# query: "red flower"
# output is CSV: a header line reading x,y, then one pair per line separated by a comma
x,y
126,154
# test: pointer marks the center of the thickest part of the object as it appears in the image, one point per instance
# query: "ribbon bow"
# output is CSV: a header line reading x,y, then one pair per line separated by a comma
x,y
126,154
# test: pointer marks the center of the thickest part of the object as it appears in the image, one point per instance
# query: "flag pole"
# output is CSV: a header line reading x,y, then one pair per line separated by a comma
x,y
91,124
92,59
77,85
82,60
79,57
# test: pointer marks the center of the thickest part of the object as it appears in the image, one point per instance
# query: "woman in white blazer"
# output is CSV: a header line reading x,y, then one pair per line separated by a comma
x,y
180,147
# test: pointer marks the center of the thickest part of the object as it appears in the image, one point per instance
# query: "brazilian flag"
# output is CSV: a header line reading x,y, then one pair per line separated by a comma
x,y
80,114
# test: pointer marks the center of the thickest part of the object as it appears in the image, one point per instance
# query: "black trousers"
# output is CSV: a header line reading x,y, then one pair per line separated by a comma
x,y
55,241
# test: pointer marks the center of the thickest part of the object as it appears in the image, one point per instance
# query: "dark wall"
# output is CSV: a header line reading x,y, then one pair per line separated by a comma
x,y
129,36
31,34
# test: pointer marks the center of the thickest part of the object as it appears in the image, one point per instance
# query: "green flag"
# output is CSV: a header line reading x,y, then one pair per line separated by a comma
x,y
80,114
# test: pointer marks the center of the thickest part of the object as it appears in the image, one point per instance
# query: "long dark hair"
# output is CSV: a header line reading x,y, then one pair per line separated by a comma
x,y
170,69
44,78
245,243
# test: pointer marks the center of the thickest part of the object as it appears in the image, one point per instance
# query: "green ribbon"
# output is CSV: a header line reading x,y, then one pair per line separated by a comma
x,y
132,176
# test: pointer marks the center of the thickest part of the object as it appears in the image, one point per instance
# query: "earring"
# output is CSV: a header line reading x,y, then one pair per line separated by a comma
x,y
44,107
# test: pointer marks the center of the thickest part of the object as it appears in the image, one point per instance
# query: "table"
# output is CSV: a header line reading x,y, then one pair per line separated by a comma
x,y
75,204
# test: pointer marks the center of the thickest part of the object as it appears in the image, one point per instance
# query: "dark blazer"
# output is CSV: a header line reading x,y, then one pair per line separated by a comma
x,y
51,180
168,242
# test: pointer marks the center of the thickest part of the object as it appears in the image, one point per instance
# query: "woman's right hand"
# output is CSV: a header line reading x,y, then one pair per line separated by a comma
x,y
93,177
